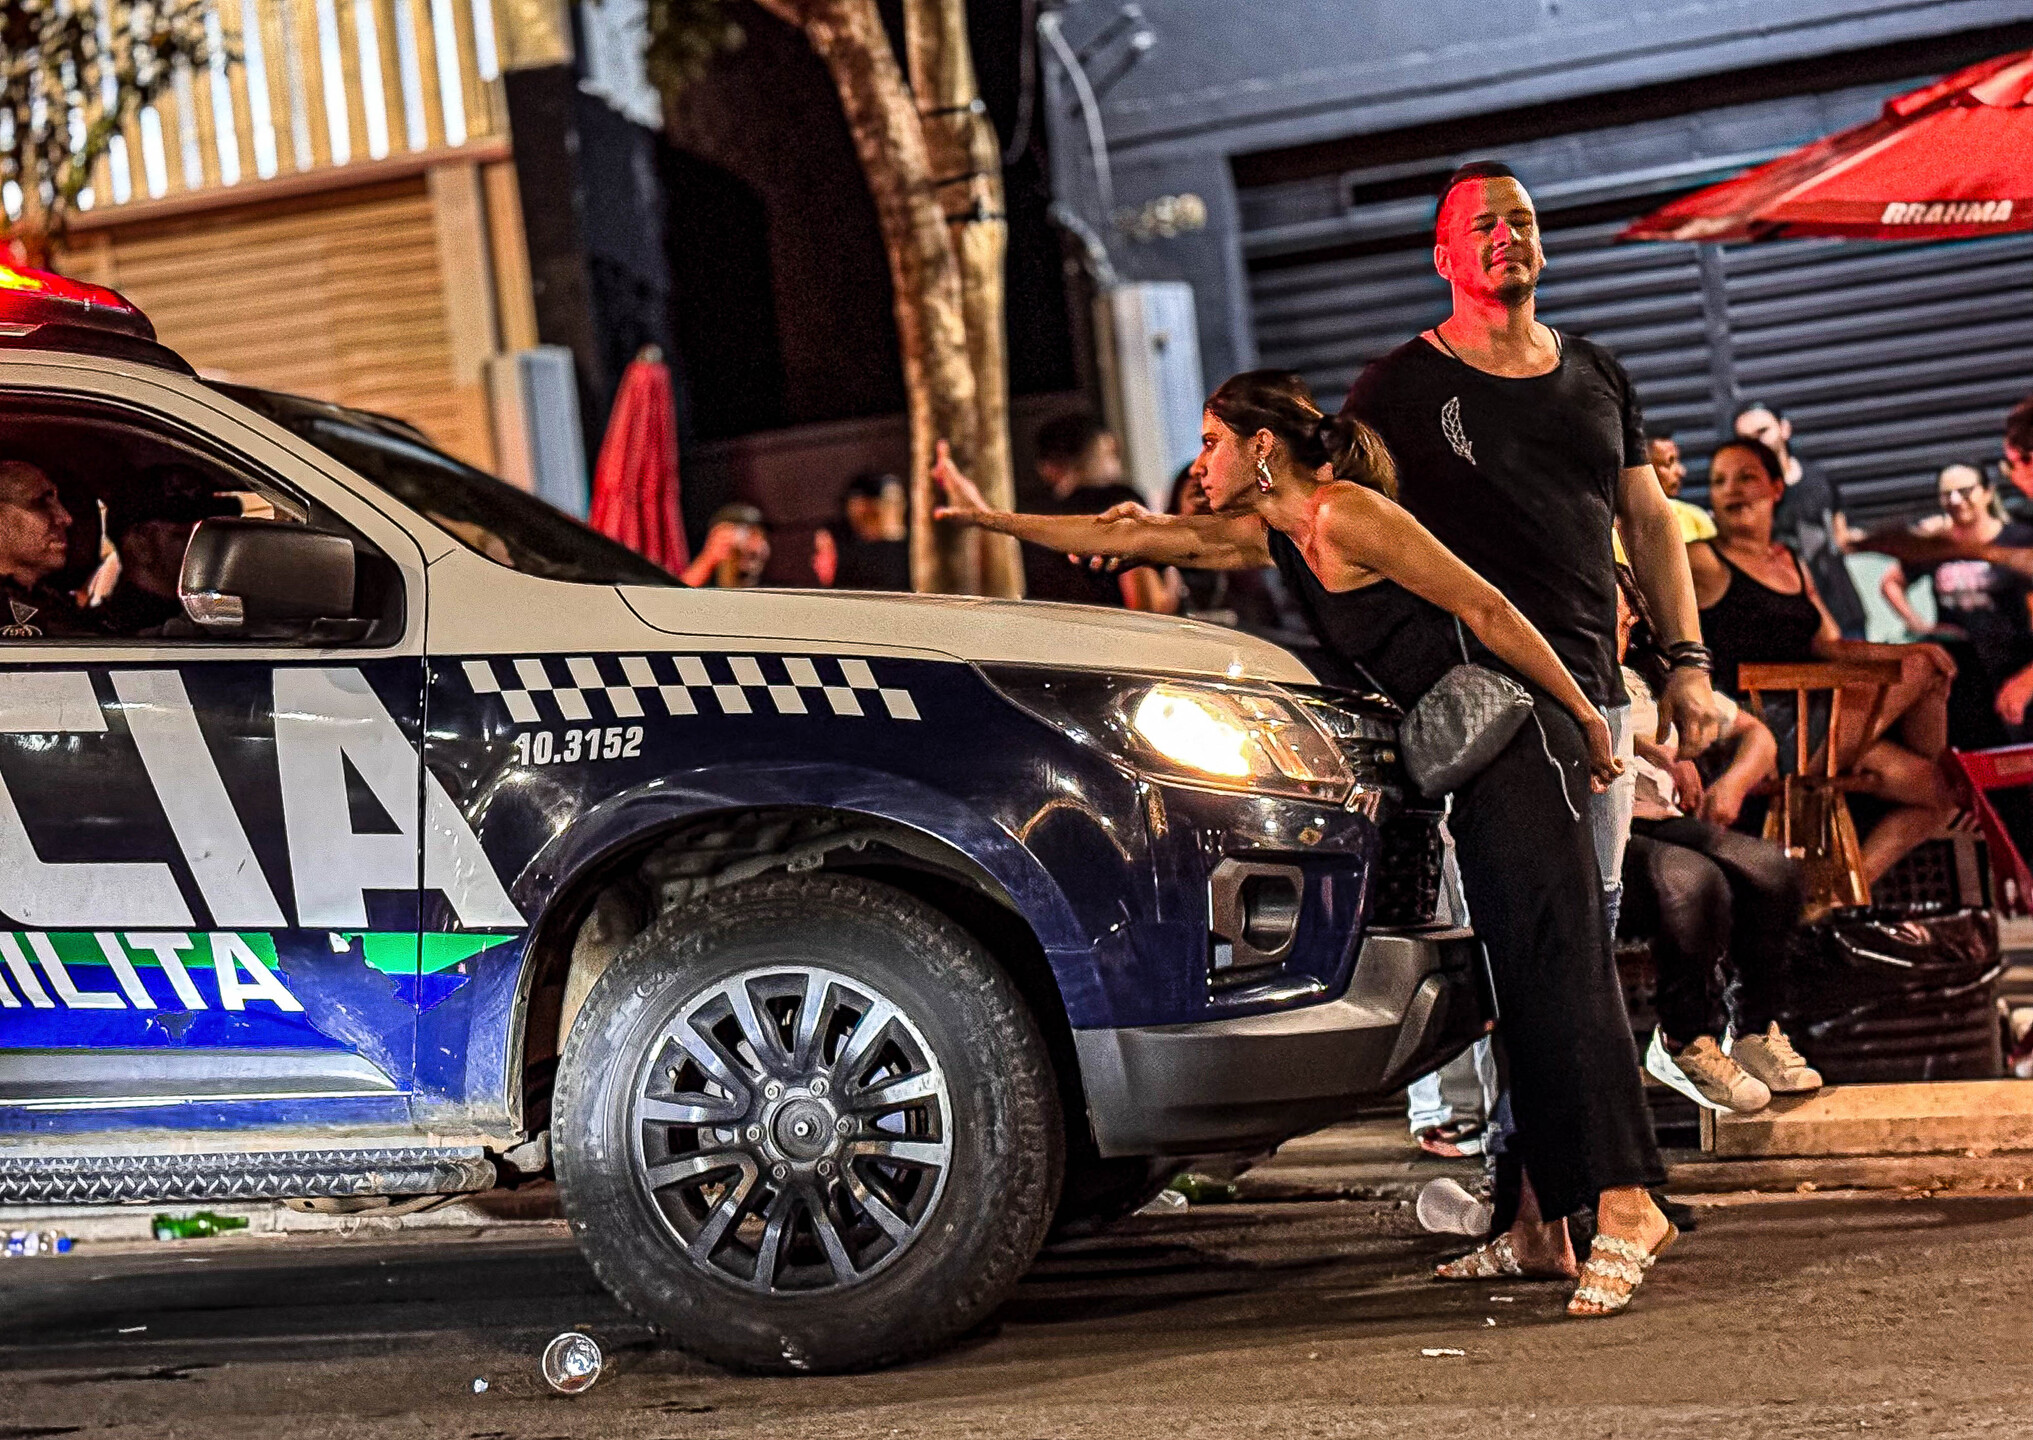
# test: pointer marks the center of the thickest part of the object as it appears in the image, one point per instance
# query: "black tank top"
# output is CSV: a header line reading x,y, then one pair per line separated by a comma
x,y
1752,623
1401,642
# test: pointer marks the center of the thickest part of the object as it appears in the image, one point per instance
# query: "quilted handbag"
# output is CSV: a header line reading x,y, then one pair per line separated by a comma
x,y
1460,725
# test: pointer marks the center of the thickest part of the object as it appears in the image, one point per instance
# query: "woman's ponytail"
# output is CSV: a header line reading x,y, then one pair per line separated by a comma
x,y
1358,453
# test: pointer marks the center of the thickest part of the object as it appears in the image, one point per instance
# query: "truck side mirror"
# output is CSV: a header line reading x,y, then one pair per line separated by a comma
x,y
270,580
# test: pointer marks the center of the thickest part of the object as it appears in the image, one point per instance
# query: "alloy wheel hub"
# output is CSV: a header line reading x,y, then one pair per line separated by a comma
x,y
794,1129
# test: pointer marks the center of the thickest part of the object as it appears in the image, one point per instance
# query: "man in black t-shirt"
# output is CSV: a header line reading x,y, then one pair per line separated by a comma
x,y
1810,517
1080,468
1522,450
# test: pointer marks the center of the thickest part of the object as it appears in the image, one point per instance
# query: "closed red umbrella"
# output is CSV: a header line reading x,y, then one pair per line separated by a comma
x,y
635,481
1948,162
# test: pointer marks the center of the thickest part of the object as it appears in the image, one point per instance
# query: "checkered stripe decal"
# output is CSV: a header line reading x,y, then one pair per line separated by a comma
x,y
680,684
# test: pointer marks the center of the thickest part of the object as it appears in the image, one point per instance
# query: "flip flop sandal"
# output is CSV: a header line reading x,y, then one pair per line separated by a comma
x,y
1619,1262
1494,1261
1452,1142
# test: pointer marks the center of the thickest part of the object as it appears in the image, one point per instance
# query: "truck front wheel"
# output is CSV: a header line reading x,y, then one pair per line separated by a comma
x,y
807,1125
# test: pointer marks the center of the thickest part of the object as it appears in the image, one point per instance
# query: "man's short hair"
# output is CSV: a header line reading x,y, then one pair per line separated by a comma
x,y
738,512
23,472
1472,170
2019,427
1753,407
870,484
1658,432
1064,439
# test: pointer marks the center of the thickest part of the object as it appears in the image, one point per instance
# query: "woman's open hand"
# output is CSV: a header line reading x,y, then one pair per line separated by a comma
x,y
1123,510
963,497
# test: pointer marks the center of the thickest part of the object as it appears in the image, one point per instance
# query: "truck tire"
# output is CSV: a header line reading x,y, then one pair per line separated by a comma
x,y
807,1125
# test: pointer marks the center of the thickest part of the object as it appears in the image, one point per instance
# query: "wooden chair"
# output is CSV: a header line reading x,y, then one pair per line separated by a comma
x,y
1809,817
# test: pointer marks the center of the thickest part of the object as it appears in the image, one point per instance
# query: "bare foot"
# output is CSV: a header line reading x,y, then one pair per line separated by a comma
x,y
1529,1250
1630,1234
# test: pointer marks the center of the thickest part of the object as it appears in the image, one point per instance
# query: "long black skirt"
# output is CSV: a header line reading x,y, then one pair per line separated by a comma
x,y
1528,868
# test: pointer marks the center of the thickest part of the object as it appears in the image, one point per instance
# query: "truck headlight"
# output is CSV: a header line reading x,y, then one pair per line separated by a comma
x,y
1186,732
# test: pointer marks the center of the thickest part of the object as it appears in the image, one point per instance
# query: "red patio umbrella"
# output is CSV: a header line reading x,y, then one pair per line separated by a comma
x,y
1948,162
635,481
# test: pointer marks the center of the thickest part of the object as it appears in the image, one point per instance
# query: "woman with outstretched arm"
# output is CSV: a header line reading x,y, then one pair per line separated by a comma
x,y
1312,495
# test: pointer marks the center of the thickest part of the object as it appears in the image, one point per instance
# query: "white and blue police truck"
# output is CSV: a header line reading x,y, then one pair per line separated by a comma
x,y
827,949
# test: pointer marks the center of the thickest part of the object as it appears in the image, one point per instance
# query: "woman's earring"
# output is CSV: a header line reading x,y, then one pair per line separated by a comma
x,y
1263,476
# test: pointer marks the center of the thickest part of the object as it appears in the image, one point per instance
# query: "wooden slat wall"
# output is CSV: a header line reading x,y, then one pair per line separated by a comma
x,y
339,295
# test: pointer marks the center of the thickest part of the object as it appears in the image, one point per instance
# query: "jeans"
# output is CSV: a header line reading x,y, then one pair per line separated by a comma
x,y
1463,1089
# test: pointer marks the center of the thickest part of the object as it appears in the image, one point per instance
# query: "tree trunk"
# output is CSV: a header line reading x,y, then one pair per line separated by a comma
x,y
931,324
966,161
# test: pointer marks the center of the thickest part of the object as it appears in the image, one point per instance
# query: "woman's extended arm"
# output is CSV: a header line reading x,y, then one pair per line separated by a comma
x,y
1367,531
1206,542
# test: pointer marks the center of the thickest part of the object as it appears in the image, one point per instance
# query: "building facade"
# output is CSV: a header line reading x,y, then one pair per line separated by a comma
x,y
1284,160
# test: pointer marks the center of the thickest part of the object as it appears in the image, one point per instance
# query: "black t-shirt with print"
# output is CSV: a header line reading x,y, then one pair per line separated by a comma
x,y
1519,477
1987,603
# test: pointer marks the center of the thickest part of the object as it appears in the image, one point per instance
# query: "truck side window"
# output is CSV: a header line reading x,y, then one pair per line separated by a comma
x,y
97,508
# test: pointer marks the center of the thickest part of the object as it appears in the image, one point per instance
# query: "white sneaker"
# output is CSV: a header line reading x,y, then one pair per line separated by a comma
x,y
1772,1059
1706,1076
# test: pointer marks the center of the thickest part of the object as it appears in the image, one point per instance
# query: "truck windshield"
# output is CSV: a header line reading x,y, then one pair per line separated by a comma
x,y
488,516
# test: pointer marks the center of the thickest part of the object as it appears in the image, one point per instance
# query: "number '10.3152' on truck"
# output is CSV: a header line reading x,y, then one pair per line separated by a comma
x,y
409,838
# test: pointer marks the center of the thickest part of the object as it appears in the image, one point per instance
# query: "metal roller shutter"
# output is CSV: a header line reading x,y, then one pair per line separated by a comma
x,y
1891,360
339,295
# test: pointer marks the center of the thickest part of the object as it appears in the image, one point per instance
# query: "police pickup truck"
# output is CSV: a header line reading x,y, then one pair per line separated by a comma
x,y
409,838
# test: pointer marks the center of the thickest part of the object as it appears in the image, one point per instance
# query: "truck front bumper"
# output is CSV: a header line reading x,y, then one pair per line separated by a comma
x,y
1222,1086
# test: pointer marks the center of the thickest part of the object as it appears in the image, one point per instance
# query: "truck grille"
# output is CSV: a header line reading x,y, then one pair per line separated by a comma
x,y
1406,890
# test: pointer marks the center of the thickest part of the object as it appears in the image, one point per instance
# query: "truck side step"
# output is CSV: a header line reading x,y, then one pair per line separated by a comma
x,y
263,1175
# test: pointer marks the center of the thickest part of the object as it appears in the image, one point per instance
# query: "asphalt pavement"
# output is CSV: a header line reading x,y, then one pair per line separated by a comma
x,y
1803,1317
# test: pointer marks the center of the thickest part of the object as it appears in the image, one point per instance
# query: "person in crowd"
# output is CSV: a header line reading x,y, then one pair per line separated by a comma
x,y
1079,465
736,551
1521,448
1760,603
35,545
150,532
1983,610
1709,900
1524,451
2019,450
1695,522
1810,520
875,553
1288,487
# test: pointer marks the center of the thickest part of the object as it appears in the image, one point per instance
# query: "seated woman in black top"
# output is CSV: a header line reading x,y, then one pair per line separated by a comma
x,y
1759,606
1381,592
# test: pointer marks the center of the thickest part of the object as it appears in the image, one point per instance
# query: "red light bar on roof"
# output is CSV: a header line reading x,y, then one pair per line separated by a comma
x,y
30,299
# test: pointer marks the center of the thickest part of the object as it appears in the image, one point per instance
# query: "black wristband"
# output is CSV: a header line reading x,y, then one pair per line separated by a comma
x,y
1690,655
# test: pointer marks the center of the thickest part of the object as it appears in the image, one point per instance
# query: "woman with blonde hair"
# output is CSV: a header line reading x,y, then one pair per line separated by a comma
x,y
1312,495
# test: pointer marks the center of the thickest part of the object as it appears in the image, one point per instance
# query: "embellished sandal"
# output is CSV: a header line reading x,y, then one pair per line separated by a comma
x,y
1494,1261
1614,1262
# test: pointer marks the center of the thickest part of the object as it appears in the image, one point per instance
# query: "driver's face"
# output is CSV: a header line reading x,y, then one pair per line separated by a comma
x,y
34,525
